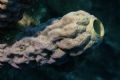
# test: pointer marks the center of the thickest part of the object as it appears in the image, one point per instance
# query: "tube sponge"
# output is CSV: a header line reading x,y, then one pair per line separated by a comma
x,y
70,35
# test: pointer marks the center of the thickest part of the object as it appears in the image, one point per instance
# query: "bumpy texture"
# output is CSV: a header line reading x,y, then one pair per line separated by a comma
x,y
10,12
69,36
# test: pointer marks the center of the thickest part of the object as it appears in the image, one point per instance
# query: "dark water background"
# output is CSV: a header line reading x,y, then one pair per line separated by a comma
x,y
102,63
